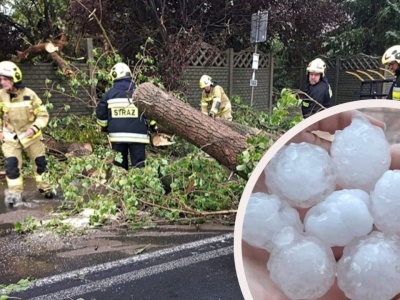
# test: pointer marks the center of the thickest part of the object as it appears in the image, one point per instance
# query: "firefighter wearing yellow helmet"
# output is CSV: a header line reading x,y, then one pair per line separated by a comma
x,y
317,88
214,102
391,57
22,118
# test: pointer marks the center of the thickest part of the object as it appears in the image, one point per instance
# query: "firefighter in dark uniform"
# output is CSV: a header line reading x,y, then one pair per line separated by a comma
x,y
22,118
126,126
391,57
317,88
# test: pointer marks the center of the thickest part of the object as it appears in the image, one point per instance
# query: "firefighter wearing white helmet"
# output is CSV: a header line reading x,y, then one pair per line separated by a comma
x,y
214,102
120,71
391,57
317,88
22,118
120,117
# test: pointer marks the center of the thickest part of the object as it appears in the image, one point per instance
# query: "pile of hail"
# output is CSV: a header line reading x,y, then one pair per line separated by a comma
x,y
349,198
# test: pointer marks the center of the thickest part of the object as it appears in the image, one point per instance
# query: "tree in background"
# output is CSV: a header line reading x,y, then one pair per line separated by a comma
x,y
177,27
372,27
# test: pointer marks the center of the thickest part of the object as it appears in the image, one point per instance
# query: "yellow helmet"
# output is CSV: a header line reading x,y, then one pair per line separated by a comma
x,y
11,70
317,66
392,54
205,80
120,71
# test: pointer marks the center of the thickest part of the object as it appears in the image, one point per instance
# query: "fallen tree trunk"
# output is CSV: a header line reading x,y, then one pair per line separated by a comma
x,y
214,137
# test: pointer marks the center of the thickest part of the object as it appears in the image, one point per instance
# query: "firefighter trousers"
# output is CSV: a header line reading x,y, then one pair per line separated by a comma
x,y
12,151
136,152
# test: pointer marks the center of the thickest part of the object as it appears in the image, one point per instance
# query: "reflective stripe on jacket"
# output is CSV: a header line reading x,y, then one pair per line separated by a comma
x,y
394,92
321,92
21,111
117,112
209,101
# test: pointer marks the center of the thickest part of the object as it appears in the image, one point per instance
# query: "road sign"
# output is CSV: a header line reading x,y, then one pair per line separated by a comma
x,y
256,58
253,82
259,23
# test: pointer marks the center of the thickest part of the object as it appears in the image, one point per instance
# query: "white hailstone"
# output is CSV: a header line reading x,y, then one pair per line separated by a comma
x,y
361,154
340,218
385,202
301,174
283,238
303,268
265,216
370,268
363,195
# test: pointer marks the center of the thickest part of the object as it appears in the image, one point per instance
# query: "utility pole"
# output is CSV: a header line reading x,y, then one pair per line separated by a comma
x,y
259,23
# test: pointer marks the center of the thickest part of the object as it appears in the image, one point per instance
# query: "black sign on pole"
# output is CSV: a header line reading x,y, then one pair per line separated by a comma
x,y
259,23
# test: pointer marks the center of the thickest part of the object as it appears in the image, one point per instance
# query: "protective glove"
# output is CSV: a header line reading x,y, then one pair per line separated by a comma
x,y
102,129
153,126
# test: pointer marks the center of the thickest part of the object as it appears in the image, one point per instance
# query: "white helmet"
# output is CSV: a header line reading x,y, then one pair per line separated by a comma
x,y
205,80
11,70
120,71
392,54
316,66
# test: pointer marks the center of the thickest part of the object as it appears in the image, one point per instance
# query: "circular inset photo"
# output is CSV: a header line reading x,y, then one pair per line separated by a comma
x,y
320,216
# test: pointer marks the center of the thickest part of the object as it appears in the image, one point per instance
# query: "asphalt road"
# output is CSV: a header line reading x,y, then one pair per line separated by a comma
x,y
198,270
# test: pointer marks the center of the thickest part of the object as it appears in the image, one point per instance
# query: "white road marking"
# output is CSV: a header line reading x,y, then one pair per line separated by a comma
x,y
81,273
135,275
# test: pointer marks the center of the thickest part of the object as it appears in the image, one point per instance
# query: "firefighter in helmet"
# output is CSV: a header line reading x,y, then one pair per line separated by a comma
x,y
317,88
22,118
391,57
127,127
214,102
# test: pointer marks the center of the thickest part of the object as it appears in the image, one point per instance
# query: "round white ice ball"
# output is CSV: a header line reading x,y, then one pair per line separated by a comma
x,y
301,174
304,269
340,218
361,154
370,268
265,216
385,202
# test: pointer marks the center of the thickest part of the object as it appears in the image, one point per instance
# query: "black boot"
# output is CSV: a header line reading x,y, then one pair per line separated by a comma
x,y
47,194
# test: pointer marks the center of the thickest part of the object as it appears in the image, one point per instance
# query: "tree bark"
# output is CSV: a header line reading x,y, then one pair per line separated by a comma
x,y
64,150
212,136
51,48
62,64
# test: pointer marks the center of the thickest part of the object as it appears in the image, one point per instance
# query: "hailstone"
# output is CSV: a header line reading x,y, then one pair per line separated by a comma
x,y
340,218
303,269
266,215
360,154
385,202
370,268
301,174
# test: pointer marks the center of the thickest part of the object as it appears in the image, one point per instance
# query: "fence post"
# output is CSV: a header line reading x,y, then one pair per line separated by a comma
x,y
230,75
337,73
89,46
271,82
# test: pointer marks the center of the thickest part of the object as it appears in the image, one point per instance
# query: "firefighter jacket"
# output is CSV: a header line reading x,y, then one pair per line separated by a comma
x,y
321,93
394,92
19,112
215,102
120,116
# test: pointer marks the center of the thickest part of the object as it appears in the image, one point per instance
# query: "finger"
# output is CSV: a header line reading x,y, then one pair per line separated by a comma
x,y
395,154
330,125
312,138
260,184
341,121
